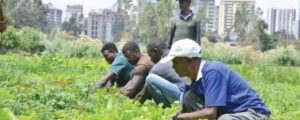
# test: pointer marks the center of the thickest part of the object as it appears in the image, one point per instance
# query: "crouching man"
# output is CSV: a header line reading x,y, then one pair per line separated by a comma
x,y
216,91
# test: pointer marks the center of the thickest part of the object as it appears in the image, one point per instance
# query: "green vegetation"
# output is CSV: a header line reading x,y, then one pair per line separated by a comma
x,y
48,76
41,87
56,87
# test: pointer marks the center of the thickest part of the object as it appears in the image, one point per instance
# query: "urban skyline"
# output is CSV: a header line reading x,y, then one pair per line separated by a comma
x,y
222,13
263,4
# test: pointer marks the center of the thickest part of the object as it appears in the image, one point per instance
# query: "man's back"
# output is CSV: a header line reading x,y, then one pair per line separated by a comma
x,y
122,68
224,88
166,71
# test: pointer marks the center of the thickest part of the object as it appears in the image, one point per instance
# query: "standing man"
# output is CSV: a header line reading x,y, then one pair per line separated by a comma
x,y
163,83
119,70
185,25
142,65
216,91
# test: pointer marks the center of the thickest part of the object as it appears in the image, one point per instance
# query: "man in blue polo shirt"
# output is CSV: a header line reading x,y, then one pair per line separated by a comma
x,y
119,71
216,91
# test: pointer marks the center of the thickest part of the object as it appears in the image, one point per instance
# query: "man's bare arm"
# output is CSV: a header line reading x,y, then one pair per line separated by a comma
x,y
206,113
106,79
142,95
132,87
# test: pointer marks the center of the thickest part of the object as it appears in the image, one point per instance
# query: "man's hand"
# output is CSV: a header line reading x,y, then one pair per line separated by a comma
x,y
99,84
93,90
174,116
108,84
106,81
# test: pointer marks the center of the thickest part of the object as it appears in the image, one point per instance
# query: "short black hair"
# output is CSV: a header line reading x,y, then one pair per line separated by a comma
x,y
190,1
111,47
157,42
131,46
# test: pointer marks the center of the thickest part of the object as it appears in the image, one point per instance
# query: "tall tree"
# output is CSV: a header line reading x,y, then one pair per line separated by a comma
x,y
147,26
72,26
267,41
31,13
163,15
242,23
154,21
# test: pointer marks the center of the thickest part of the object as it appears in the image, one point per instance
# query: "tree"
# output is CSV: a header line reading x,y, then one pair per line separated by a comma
x,y
72,27
10,38
163,15
155,21
267,41
31,13
243,19
147,26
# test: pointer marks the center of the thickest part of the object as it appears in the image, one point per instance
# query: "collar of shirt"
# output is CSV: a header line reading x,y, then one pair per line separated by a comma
x,y
186,18
199,75
165,53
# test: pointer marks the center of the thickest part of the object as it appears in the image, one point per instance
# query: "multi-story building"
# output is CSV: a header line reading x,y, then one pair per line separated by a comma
x,y
297,27
209,9
217,18
227,10
54,15
103,24
74,11
281,20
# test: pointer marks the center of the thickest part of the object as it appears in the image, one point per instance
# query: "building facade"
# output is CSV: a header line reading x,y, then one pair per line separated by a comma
x,y
209,9
104,24
54,15
227,10
74,11
281,20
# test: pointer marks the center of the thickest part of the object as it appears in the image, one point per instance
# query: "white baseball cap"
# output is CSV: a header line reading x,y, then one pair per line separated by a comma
x,y
183,48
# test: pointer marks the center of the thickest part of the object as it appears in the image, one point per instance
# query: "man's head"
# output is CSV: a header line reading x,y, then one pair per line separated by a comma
x,y
132,52
109,51
155,49
184,53
184,4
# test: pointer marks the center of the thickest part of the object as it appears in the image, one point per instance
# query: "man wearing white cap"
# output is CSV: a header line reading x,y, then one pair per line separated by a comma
x,y
216,91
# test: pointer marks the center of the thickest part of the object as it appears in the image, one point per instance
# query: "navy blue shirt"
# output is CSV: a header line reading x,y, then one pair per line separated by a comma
x,y
223,88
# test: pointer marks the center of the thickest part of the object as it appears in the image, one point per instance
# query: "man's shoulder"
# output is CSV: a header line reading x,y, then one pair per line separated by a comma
x,y
161,67
120,59
145,60
213,65
144,65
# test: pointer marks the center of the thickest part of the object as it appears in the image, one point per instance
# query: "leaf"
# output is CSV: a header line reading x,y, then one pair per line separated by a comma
x,y
6,114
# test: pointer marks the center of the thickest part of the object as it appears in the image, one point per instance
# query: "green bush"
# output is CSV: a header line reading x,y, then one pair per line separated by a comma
x,y
82,47
287,56
25,40
11,39
222,53
31,40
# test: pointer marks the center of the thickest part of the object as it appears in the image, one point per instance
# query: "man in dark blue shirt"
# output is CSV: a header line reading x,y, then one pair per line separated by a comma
x,y
216,91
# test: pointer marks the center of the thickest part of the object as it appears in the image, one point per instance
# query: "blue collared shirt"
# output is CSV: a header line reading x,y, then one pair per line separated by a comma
x,y
221,87
186,18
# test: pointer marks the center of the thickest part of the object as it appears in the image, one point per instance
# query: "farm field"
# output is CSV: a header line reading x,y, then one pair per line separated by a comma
x,y
53,87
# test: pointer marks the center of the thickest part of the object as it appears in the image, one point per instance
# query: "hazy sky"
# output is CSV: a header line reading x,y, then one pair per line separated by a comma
x,y
96,4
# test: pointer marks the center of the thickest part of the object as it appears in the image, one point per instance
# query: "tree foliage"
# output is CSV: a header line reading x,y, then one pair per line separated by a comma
x,y
31,13
245,21
27,39
155,21
72,26
267,41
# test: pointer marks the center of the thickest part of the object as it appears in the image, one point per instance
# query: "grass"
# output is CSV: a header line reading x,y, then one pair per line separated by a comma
x,y
54,87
